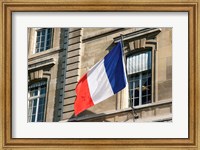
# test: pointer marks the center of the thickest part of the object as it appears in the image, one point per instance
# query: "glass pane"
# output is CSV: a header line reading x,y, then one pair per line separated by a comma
x,y
49,30
43,32
43,38
149,81
137,84
149,90
145,82
48,43
42,91
136,76
34,102
41,49
146,74
131,85
136,94
49,37
38,33
47,47
131,93
42,44
144,99
34,110
136,102
149,99
41,109
40,117
36,92
33,118
41,102
144,90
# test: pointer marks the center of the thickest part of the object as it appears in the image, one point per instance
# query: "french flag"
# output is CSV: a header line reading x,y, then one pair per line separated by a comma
x,y
103,80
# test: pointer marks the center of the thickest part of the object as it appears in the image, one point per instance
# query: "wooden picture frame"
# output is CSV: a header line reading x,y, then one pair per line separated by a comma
x,y
8,7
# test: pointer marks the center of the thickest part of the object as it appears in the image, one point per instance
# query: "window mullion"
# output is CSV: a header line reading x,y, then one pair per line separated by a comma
x,y
31,110
140,89
36,114
133,100
45,39
40,41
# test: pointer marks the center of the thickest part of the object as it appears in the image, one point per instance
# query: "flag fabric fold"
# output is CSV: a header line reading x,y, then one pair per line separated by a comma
x,y
103,80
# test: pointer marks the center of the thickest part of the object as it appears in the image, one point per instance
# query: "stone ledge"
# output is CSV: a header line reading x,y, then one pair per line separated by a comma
x,y
167,117
143,33
168,101
44,54
40,64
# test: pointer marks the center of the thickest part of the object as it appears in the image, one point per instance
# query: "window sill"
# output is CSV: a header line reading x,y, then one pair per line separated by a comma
x,y
45,53
161,102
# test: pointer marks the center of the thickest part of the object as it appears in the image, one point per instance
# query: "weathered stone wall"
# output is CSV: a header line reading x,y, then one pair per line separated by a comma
x,y
96,43
164,65
48,63
74,48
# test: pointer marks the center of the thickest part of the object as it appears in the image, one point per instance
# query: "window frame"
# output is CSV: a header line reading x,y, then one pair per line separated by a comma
x,y
37,98
45,42
135,52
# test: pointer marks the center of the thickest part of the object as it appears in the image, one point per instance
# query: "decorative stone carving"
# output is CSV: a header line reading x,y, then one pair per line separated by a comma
x,y
36,69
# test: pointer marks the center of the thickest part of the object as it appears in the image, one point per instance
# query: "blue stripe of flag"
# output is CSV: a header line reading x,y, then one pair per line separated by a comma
x,y
113,63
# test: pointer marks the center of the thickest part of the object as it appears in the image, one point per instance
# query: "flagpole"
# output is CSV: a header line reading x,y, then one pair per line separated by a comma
x,y
131,102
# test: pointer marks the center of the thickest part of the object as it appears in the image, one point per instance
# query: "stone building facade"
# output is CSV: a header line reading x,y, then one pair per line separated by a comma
x,y
58,57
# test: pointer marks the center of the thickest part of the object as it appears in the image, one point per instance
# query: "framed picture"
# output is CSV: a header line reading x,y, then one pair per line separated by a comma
x,y
48,46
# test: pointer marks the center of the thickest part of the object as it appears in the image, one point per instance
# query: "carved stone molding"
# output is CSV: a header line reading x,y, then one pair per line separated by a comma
x,y
36,69
139,39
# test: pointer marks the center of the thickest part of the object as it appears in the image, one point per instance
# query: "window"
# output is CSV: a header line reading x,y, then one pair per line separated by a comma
x,y
36,101
139,76
43,39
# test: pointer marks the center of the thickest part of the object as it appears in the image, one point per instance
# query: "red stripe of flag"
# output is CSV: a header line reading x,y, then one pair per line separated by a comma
x,y
83,99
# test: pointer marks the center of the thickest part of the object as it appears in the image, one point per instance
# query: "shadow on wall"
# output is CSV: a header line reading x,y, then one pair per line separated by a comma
x,y
82,116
